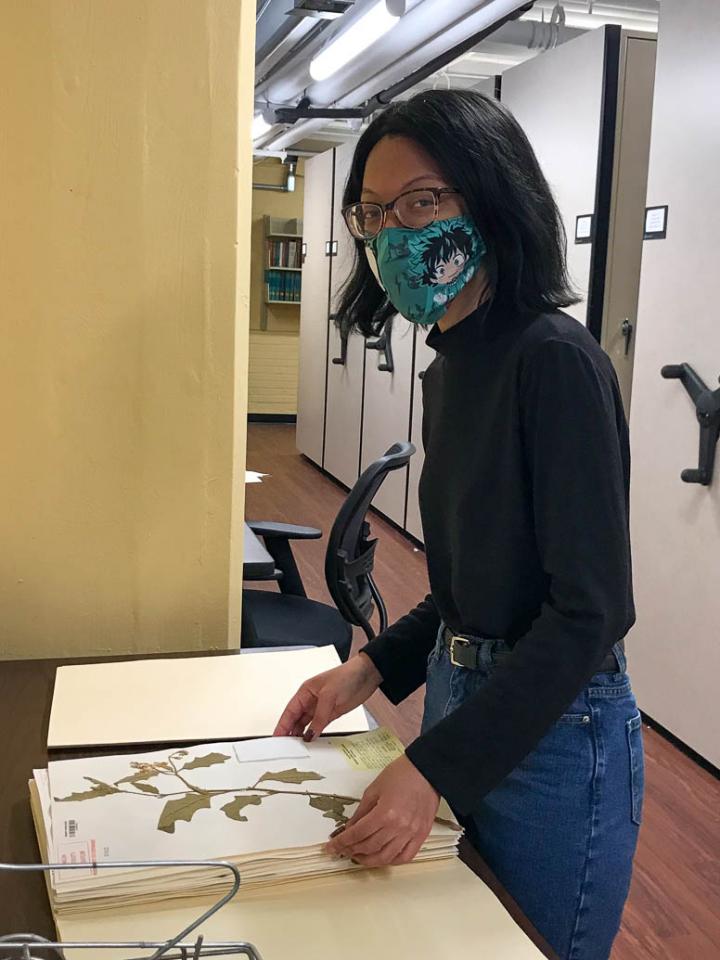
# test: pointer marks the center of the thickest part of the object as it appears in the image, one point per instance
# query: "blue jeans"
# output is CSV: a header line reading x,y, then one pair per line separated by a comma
x,y
560,831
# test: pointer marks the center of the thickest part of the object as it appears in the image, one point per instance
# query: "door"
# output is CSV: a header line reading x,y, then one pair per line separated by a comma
x,y
386,410
558,98
635,97
424,356
312,367
345,366
674,651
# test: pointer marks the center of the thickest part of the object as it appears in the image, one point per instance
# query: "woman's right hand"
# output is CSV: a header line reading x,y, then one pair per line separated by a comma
x,y
328,696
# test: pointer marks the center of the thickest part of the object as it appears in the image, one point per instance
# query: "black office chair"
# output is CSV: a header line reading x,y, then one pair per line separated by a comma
x,y
290,618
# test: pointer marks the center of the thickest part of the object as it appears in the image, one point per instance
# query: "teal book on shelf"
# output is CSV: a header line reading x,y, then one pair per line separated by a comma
x,y
283,263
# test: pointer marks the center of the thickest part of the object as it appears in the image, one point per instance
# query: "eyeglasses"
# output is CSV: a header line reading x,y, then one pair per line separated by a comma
x,y
415,209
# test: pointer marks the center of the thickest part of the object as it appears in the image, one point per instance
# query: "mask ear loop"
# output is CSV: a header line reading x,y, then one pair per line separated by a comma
x,y
373,264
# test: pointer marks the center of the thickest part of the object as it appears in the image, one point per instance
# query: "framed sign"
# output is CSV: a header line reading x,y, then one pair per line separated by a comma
x,y
655,223
584,228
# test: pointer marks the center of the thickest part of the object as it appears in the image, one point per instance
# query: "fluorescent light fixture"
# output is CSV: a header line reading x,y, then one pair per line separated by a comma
x,y
352,42
260,126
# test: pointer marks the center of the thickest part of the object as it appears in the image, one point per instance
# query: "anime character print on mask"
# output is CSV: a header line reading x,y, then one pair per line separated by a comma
x,y
423,270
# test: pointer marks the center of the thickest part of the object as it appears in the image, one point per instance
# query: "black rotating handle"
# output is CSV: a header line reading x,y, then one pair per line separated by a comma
x,y
384,345
342,359
707,408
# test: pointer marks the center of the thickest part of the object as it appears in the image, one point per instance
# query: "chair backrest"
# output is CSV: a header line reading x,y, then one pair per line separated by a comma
x,y
350,553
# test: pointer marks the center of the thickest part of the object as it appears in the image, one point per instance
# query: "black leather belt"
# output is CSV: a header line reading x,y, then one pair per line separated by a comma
x,y
465,652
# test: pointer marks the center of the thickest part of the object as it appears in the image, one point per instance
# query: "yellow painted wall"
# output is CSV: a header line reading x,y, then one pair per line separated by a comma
x,y
124,185
273,353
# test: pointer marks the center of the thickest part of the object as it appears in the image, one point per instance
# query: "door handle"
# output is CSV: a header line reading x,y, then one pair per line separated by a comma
x,y
707,410
627,329
342,359
384,344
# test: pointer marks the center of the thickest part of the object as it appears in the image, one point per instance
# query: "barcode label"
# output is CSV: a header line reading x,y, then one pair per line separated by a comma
x,y
71,827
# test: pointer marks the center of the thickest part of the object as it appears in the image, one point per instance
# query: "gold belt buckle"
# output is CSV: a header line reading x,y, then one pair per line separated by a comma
x,y
460,641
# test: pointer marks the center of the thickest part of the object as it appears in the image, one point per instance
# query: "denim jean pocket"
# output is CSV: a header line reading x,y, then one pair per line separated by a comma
x,y
637,766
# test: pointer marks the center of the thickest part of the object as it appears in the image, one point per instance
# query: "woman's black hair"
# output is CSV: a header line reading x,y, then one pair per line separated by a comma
x,y
484,153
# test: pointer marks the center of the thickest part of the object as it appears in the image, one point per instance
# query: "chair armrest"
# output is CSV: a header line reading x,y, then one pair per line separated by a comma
x,y
269,530
275,575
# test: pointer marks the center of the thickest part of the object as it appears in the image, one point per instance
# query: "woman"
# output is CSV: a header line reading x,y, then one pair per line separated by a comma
x,y
530,730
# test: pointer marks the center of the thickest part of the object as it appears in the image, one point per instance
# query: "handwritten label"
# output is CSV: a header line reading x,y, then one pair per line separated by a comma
x,y
369,751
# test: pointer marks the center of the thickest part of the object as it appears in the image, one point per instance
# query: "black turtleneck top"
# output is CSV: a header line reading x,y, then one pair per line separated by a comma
x,y
524,504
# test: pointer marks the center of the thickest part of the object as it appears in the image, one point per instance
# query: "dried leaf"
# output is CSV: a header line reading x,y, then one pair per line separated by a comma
x,y
209,760
333,808
232,809
146,787
143,773
98,789
183,808
290,776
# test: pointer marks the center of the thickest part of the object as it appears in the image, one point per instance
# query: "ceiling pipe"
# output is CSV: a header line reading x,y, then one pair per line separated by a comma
x,y
282,154
289,186
277,187
306,36
262,11
288,81
299,132
437,52
384,97
427,30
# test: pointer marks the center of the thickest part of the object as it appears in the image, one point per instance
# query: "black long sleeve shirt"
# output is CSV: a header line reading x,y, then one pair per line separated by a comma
x,y
524,504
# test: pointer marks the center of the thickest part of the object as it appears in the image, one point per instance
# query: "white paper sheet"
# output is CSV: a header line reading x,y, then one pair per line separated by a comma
x,y
185,699
252,476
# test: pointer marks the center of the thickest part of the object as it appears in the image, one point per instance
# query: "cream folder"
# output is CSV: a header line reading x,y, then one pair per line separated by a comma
x,y
184,699
424,911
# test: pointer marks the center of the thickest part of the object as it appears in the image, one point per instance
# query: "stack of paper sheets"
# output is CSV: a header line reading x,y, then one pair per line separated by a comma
x,y
266,805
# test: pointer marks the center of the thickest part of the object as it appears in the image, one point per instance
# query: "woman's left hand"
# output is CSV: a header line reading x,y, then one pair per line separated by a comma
x,y
393,819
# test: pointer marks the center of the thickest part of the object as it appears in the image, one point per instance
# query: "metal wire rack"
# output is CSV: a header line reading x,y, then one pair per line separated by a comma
x,y
26,945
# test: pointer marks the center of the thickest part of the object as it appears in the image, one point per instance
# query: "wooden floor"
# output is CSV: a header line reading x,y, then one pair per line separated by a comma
x,y
674,908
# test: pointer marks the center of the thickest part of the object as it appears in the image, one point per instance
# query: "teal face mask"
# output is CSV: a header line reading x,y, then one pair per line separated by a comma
x,y
422,271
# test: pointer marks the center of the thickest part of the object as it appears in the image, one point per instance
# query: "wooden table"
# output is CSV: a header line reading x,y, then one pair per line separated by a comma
x,y
26,688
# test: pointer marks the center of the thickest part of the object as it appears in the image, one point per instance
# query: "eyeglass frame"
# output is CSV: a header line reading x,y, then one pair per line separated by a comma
x,y
386,208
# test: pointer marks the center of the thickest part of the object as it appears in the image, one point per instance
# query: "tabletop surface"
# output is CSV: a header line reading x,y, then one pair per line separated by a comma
x,y
26,688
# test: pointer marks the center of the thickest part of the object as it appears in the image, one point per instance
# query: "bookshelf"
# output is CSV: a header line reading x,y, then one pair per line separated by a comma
x,y
283,264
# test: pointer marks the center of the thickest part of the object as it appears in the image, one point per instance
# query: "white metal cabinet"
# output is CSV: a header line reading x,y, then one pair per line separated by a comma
x,y
557,99
344,380
386,413
424,356
674,652
314,307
